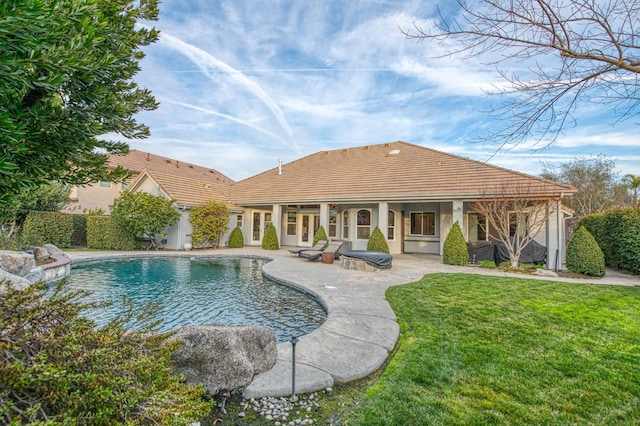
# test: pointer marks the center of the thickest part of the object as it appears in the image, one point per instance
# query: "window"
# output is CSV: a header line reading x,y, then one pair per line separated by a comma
x,y
291,223
391,226
363,224
333,223
477,225
345,224
514,225
255,235
104,184
125,185
423,223
267,220
239,221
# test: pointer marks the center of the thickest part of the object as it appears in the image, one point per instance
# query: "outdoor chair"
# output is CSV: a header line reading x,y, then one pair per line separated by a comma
x,y
333,247
319,246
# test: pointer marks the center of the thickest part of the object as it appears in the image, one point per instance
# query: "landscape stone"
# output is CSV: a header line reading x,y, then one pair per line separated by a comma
x,y
40,254
19,283
16,262
224,357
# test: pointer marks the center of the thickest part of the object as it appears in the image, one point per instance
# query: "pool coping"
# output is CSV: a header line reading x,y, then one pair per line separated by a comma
x,y
360,330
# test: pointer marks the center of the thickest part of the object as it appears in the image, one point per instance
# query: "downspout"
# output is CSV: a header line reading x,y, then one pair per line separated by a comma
x,y
560,233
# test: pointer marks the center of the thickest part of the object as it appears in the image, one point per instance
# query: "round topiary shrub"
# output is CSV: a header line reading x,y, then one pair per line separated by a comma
x,y
270,239
584,255
377,242
236,239
320,235
455,248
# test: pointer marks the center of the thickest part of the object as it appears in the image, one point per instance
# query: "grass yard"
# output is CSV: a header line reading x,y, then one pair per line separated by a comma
x,y
493,350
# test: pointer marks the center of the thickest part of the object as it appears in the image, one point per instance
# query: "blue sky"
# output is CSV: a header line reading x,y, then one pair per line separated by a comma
x,y
242,84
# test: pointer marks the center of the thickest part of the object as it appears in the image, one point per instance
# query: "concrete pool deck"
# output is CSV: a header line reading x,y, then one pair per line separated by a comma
x,y
361,328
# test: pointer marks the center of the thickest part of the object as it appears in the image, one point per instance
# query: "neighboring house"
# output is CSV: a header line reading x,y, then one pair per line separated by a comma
x,y
414,194
100,196
186,193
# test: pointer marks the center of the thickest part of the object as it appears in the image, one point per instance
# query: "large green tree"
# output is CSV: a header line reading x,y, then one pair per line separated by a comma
x,y
595,180
632,182
66,69
144,214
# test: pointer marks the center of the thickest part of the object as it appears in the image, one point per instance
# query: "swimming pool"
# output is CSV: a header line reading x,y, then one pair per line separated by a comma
x,y
198,291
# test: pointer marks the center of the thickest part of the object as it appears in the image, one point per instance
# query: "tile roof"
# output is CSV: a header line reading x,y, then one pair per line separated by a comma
x,y
189,192
390,171
137,161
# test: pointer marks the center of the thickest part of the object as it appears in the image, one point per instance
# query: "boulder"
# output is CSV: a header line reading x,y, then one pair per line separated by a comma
x,y
41,254
52,249
19,283
16,262
224,357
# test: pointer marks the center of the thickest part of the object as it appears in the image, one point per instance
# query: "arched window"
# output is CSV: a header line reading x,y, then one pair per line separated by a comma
x,y
391,226
364,224
345,224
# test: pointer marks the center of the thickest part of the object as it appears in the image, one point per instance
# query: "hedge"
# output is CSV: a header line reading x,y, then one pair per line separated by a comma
x,y
236,239
377,242
455,250
617,232
270,239
583,254
48,228
105,234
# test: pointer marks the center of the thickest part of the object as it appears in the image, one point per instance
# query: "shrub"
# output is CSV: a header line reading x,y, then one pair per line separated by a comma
x,y
320,235
617,232
455,248
105,234
58,368
236,239
270,239
48,228
377,242
209,223
584,255
489,264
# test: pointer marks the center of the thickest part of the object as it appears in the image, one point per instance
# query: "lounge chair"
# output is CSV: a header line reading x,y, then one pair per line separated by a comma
x,y
319,246
333,247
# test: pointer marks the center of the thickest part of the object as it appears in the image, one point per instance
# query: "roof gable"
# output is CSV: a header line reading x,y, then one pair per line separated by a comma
x,y
392,171
137,161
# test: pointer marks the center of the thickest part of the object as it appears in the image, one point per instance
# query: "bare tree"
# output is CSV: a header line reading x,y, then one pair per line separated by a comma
x,y
585,50
515,216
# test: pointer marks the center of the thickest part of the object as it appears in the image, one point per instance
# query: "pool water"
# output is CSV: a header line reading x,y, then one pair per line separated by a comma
x,y
198,291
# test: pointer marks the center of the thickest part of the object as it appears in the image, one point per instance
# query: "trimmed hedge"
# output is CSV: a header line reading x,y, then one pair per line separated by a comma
x,y
105,234
455,247
584,255
236,239
48,228
320,235
377,242
270,239
79,235
617,232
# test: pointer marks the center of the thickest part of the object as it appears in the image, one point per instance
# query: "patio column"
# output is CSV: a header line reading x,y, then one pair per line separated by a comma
x,y
383,217
458,214
276,219
324,216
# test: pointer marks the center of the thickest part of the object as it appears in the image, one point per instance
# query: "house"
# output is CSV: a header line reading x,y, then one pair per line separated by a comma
x,y
99,196
414,194
186,192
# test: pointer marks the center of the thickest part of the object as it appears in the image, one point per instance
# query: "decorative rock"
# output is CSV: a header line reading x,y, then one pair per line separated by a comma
x,y
16,263
545,273
41,254
52,249
19,283
224,357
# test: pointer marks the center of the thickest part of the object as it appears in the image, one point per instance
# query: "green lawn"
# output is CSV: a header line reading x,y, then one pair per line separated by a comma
x,y
493,350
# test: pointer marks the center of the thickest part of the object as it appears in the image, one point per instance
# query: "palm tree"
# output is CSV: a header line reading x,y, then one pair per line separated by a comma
x,y
633,183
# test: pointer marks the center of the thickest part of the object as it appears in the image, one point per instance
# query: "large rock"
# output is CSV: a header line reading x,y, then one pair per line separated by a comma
x,y
16,262
223,357
19,283
41,254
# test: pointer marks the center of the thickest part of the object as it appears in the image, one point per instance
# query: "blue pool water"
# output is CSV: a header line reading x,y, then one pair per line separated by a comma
x,y
198,291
